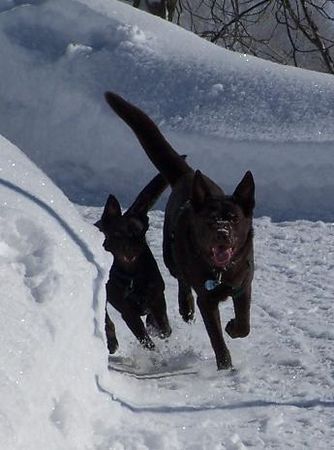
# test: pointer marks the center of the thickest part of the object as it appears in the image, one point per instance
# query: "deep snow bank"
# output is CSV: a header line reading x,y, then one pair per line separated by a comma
x,y
52,289
228,111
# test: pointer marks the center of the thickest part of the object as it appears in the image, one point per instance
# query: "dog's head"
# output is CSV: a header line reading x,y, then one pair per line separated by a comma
x,y
124,233
221,224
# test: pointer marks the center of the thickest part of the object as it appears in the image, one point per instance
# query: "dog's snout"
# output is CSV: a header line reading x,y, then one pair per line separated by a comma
x,y
223,227
223,231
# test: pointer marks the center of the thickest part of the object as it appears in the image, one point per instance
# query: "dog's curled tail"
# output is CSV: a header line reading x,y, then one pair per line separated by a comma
x,y
169,163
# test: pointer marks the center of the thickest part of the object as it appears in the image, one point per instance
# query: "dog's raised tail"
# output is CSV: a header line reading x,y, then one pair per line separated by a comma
x,y
169,163
148,196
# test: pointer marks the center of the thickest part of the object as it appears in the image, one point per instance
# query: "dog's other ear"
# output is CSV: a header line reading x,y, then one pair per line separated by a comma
x,y
200,191
244,193
112,209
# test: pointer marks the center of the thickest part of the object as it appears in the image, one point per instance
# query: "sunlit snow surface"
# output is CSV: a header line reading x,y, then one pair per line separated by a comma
x,y
52,284
55,389
229,112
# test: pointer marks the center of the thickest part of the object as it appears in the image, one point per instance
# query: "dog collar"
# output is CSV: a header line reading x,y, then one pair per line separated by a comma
x,y
237,291
212,284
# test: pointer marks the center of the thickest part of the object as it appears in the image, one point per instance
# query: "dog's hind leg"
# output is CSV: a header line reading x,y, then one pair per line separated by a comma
x,y
186,301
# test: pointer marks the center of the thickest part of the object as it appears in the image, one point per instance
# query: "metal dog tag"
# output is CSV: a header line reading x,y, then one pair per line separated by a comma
x,y
211,284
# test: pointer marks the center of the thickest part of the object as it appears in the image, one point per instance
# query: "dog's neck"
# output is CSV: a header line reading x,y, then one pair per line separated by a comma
x,y
124,278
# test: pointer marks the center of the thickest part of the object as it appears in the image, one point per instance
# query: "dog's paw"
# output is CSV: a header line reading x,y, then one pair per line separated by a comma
x,y
225,362
147,343
188,316
159,329
186,307
161,333
165,332
236,331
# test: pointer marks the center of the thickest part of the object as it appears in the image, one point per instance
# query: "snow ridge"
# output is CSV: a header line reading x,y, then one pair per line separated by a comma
x,y
98,283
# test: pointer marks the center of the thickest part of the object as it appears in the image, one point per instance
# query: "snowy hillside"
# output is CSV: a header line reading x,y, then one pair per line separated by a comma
x,y
228,112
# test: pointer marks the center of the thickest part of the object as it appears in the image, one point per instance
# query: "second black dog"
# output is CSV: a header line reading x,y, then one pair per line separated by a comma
x,y
135,286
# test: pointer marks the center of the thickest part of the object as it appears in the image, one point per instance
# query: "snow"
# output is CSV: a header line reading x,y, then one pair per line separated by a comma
x,y
51,338
217,106
229,112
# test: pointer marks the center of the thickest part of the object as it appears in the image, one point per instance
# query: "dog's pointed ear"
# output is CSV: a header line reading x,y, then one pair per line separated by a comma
x,y
244,193
200,191
111,210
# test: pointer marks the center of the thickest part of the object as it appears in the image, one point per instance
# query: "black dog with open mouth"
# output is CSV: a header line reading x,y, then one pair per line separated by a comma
x,y
135,286
208,236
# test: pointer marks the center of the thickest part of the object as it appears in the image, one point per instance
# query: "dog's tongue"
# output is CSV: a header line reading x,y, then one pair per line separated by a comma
x,y
221,256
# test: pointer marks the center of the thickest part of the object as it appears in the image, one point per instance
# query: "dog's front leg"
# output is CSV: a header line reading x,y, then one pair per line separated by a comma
x,y
210,314
112,342
136,325
116,298
186,301
239,327
157,319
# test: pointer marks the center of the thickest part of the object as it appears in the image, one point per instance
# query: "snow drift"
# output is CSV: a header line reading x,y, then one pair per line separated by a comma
x,y
229,112
52,346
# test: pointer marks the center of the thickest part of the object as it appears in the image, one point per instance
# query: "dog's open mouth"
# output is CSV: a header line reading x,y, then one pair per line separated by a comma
x,y
221,256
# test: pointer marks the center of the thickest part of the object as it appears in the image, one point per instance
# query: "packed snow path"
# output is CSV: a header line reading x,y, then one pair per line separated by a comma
x,y
281,391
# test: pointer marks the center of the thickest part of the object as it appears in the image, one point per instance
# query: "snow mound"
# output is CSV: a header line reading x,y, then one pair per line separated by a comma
x,y
229,112
50,315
